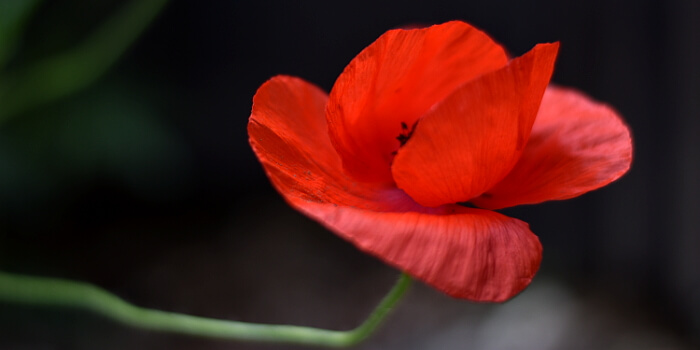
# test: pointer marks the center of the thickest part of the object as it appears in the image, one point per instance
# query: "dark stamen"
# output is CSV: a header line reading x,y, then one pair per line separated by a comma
x,y
402,139
406,133
467,204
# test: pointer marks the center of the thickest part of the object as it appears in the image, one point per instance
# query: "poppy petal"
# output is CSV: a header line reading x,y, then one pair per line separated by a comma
x,y
393,82
470,141
472,254
577,145
287,131
467,253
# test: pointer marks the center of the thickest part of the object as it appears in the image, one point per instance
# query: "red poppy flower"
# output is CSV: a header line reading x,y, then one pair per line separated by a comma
x,y
418,124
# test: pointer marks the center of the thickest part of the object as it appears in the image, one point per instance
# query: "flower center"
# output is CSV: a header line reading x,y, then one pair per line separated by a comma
x,y
406,132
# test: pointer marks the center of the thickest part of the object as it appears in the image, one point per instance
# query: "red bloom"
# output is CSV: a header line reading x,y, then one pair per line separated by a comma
x,y
422,120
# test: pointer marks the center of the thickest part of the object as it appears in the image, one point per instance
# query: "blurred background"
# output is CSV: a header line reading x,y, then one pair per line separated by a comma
x,y
124,162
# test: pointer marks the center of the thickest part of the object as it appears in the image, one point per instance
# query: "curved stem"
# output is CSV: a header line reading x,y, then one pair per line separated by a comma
x,y
59,292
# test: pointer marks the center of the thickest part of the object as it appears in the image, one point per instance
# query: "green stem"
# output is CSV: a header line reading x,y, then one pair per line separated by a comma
x,y
59,292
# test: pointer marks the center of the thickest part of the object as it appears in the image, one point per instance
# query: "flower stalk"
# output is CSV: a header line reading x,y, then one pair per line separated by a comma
x,y
41,291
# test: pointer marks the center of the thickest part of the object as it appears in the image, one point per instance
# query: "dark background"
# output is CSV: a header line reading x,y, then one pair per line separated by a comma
x,y
143,182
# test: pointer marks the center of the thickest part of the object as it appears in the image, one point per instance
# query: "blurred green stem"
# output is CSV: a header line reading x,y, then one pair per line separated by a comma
x,y
13,19
63,74
57,292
